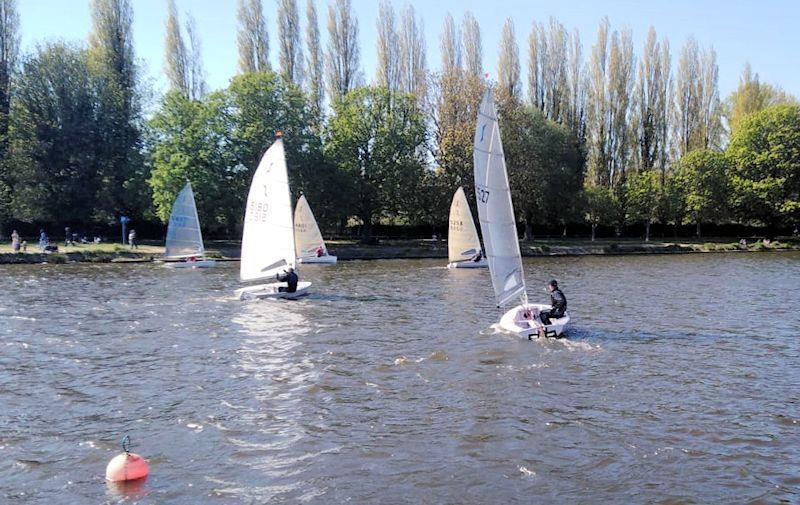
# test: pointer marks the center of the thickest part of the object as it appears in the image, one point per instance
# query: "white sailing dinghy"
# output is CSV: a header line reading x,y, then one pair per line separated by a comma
x,y
309,244
184,240
463,244
496,215
268,236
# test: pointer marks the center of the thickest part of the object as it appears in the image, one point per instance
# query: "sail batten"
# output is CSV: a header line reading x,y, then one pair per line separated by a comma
x,y
495,209
184,238
268,236
306,230
462,237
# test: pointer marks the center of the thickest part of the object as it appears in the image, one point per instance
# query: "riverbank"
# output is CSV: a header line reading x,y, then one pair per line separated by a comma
x,y
394,249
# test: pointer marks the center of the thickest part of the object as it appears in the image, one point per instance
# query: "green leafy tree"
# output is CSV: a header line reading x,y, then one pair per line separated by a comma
x,y
188,142
765,153
673,202
375,138
600,206
643,190
705,173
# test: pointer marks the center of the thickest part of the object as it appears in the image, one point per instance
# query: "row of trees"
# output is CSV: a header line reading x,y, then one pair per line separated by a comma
x,y
610,139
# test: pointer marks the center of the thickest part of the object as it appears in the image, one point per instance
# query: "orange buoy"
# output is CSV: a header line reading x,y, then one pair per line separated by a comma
x,y
127,466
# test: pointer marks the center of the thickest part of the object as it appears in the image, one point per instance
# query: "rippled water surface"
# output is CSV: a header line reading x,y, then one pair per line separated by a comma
x,y
680,382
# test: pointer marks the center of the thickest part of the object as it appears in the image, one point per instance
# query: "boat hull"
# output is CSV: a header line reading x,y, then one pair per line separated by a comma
x,y
265,291
321,260
514,322
469,264
191,264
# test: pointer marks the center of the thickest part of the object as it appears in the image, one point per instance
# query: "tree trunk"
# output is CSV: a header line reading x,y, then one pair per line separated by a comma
x,y
647,231
529,227
366,231
564,232
594,227
699,235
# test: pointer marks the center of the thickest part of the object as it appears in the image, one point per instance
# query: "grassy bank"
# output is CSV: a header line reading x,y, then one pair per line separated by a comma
x,y
396,249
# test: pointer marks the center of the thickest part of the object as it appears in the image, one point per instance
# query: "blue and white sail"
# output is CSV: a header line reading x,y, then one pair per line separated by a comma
x,y
184,238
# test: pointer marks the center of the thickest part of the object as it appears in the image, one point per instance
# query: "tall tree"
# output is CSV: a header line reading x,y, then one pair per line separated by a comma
x,y
388,67
508,70
652,95
196,73
547,69
413,74
473,47
111,57
290,50
9,47
752,96
375,136
252,38
575,107
342,58
314,59
450,45
710,106
686,105
175,58
598,111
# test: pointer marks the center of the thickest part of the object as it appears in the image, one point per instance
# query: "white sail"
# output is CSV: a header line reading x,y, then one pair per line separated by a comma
x,y
268,236
183,232
462,237
307,237
495,210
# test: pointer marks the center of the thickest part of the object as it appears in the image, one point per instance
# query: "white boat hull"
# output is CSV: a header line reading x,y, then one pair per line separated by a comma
x,y
191,264
469,264
324,260
514,322
262,291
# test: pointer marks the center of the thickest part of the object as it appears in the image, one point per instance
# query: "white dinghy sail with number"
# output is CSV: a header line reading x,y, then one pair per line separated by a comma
x,y
496,215
268,236
463,245
184,245
309,244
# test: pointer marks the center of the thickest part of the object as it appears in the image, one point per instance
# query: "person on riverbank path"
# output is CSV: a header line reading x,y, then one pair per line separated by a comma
x,y
132,240
290,278
15,244
43,241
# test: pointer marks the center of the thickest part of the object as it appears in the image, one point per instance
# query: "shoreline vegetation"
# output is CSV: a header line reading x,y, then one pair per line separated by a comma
x,y
397,249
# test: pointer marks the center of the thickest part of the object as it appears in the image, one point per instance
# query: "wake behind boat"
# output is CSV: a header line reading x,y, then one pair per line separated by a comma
x,y
184,247
463,245
268,236
496,215
309,243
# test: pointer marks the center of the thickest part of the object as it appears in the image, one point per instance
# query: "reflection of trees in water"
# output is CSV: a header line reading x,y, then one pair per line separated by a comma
x,y
271,422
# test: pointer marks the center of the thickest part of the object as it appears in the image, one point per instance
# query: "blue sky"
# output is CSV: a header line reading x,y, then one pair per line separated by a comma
x,y
765,33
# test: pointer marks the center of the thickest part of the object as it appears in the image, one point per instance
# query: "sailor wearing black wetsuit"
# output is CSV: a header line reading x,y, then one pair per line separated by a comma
x,y
558,302
290,278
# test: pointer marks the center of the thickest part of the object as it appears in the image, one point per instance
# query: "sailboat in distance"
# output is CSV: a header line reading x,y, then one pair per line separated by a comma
x,y
184,240
268,235
496,216
463,245
309,244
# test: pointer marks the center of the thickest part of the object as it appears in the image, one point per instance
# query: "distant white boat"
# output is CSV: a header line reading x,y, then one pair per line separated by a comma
x,y
463,245
496,215
184,245
268,236
308,240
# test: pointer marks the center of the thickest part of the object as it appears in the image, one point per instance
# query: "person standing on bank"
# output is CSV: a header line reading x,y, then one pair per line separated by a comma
x,y
132,239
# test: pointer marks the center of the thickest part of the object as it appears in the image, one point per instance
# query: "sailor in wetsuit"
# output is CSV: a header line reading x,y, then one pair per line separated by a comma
x,y
290,278
558,302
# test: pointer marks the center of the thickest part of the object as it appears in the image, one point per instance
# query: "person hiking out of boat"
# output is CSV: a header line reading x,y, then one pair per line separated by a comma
x,y
290,278
558,304
478,256
320,252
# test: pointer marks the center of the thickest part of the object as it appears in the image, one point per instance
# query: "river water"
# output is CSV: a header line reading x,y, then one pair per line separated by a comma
x,y
680,382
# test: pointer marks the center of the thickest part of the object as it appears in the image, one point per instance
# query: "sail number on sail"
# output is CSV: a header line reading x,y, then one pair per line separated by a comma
x,y
481,194
257,211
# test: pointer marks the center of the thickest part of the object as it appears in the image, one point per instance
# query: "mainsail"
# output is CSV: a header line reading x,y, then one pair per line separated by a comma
x,y
462,237
495,211
307,237
268,236
183,232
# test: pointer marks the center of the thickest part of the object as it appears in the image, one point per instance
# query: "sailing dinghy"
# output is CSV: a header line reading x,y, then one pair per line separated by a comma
x,y
268,236
184,240
463,246
496,215
308,240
